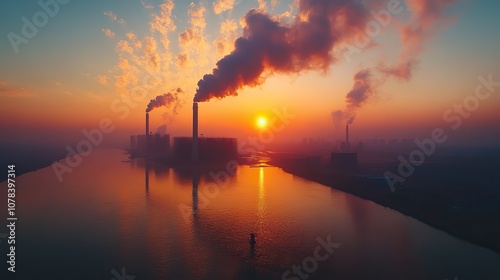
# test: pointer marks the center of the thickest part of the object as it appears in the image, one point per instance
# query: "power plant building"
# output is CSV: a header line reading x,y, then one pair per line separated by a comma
x,y
185,149
203,149
208,149
149,145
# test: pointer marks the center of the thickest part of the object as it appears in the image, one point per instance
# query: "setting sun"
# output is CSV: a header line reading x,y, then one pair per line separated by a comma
x,y
261,122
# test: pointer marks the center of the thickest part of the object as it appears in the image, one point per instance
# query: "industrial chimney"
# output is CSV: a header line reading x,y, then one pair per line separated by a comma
x,y
346,137
195,132
147,124
147,133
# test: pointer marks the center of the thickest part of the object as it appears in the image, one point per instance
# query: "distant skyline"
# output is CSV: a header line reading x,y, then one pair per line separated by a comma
x,y
73,71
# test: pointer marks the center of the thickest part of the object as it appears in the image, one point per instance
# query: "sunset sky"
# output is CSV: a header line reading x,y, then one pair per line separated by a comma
x,y
91,56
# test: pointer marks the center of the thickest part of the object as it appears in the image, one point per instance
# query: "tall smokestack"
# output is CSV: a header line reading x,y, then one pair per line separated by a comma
x,y
147,124
195,132
147,132
347,137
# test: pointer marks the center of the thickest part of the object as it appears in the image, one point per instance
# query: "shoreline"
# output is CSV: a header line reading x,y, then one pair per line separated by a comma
x,y
473,227
470,227
23,168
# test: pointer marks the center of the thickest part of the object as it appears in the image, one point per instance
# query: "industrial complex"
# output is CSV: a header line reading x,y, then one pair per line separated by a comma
x,y
185,149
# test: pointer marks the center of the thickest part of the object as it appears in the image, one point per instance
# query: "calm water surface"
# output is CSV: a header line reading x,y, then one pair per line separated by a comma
x,y
112,213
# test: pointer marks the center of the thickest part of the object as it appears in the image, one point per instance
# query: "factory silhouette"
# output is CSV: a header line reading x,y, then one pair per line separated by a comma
x,y
185,149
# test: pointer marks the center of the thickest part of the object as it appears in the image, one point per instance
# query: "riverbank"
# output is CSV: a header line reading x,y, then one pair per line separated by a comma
x,y
457,195
29,158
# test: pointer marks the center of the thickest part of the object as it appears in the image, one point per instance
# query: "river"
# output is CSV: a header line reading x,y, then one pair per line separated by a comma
x,y
114,218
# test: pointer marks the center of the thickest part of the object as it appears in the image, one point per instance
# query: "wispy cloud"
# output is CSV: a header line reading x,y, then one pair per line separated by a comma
x,y
114,18
147,5
193,42
102,79
7,90
262,5
223,5
108,32
227,34
145,55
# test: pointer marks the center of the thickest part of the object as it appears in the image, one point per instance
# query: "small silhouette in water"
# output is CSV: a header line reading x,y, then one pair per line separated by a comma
x,y
252,239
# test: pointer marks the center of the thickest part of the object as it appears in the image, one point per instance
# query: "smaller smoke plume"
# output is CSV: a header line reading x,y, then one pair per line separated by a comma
x,y
161,130
350,119
168,100
427,19
360,93
340,116
337,117
361,90
402,71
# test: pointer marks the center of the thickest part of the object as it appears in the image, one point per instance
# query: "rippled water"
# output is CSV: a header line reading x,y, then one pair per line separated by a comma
x,y
111,214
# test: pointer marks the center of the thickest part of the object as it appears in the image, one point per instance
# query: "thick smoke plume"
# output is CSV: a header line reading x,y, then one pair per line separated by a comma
x,y
269,46
169,100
